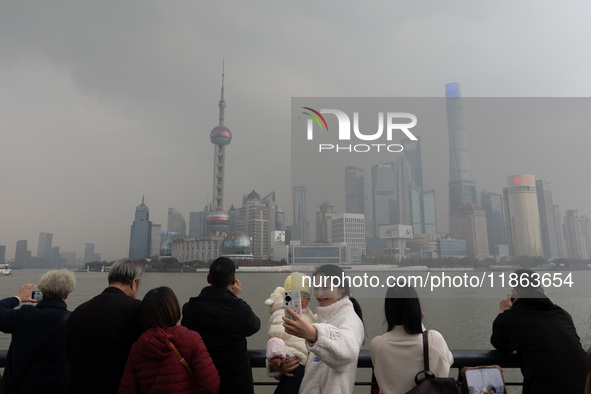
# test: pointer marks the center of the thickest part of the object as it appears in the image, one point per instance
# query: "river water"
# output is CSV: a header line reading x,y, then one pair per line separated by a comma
x,y
463,316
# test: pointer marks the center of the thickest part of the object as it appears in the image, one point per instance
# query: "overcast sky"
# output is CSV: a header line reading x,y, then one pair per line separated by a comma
x,y
103,102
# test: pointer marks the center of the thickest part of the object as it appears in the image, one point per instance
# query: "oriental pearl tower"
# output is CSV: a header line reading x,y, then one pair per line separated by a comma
x,y
218,220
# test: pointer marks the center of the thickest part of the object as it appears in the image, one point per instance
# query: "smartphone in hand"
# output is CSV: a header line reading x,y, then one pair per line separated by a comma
x,y
292,299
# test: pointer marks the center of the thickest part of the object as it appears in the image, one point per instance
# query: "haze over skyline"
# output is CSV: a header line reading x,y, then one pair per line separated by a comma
x,y
104,102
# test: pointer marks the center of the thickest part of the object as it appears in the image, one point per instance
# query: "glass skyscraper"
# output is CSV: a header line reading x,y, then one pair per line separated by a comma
x,y
141,231
550,240
383,183
495,221
354,190
462,188
176,222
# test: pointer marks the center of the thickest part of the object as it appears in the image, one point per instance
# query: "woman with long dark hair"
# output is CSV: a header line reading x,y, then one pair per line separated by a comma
x,y
167,358
397,355
335,338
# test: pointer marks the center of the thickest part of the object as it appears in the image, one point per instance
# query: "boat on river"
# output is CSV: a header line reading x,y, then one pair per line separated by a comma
x,y
5,270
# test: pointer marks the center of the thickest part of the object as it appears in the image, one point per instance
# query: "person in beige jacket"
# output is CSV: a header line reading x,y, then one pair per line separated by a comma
x,y
397,355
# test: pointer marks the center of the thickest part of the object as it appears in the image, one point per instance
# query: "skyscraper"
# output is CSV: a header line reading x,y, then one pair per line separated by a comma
x,y
549,231
573,235
269,201
141,231
383,196
586,234
44,246
197,227
155,239
462,189
22,254
412,153
469,223
354,190
217,220
300,228
176,222
88,253
350,229
523,216
2,254
324,223
253,220
402,212
492,203
559,230
429,216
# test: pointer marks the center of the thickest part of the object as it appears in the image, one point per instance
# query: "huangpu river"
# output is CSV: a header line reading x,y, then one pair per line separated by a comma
x,y
463,316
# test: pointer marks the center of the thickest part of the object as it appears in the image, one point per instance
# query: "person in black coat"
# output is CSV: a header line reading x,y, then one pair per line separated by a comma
x,y
37,361
544,335
224,321
101,331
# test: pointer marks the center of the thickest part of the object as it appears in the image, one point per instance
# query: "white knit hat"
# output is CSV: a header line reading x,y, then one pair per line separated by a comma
x,y
295,281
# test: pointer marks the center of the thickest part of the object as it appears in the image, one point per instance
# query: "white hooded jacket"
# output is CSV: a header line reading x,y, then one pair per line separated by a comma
x,y
332,362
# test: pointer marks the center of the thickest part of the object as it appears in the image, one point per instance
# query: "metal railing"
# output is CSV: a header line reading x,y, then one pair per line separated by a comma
x,y
462,358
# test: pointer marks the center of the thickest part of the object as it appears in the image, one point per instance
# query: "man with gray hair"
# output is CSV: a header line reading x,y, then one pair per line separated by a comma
x,y
101,331
37,361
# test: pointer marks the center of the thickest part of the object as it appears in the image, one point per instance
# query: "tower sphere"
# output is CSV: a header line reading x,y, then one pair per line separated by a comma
x,y
220,135
217,221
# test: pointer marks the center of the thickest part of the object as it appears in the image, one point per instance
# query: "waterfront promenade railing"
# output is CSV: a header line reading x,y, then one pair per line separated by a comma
x,y
462,358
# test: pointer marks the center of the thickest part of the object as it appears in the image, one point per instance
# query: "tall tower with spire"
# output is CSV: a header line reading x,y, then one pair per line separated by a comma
x,y
462,188
218,220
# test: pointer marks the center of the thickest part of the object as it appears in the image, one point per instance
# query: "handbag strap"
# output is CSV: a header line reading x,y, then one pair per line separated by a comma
x,y
40,351
426,349
181,359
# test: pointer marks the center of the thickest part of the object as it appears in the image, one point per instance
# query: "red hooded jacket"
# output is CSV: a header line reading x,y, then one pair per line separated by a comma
x,y
152,367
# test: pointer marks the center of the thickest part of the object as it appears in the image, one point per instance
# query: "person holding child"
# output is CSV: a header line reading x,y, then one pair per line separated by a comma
x,y
287,354
335,338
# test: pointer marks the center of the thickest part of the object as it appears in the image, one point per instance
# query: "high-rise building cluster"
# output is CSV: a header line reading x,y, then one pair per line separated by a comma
x,y
387,211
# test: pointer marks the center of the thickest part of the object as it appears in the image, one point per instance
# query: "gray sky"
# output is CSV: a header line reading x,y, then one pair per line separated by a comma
x,y
102,102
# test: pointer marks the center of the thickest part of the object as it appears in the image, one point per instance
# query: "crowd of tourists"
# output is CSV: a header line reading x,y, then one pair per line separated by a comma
x,y
115,343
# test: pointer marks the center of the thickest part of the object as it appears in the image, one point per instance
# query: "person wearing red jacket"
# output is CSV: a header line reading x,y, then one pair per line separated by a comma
x,y
153,367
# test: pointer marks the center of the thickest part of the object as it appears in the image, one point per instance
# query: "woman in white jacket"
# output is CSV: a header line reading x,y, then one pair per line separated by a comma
x,y
334,340
397,355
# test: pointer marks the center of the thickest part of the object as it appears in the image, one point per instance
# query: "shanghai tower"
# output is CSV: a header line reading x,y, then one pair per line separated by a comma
x,y
462,189
218,220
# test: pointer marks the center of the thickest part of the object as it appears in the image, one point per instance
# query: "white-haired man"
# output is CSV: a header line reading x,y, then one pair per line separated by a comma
x,y
102,330
37,360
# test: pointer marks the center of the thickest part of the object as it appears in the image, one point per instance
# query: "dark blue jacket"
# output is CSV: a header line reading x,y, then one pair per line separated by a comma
x,y
30,326
547,343
224,321
99,336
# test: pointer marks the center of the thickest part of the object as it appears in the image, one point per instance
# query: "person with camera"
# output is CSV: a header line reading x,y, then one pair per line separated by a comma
x,y
544,336
335,338
224,320
287,355
37,360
